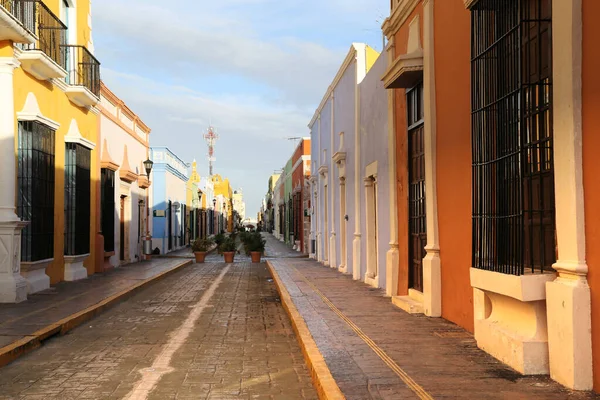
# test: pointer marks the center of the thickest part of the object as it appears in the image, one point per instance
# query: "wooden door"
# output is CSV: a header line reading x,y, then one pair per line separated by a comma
x,y
416,196
122,230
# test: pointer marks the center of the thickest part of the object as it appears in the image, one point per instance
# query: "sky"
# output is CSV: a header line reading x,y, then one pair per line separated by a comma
x,y
254,69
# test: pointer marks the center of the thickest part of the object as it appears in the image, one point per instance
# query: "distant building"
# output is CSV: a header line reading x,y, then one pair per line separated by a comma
x,y
168,200
124,184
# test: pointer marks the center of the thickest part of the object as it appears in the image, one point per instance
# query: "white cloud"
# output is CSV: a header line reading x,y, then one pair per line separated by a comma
x,y
255,68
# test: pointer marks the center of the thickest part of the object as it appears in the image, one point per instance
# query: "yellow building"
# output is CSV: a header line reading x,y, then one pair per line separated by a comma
x,y
222,188
49,88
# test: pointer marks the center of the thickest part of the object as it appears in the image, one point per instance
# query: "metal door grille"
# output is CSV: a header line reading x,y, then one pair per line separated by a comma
x,y
77,200
416,196
107,208
511,97
35,201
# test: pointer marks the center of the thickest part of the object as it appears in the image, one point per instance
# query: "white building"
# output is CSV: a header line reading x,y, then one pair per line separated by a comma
x,y
124,184
238,203
349,182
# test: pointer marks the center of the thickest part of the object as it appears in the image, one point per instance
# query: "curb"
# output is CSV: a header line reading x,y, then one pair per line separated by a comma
x,y
326,387
31,342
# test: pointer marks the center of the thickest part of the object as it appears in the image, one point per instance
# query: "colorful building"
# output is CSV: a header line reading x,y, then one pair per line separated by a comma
x,y
49,88
300,172
224,197
168,200
239,205
123,181
339,219
493,120
207,188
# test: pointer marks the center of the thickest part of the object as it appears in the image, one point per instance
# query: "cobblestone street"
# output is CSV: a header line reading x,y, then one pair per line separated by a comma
x,y
208,331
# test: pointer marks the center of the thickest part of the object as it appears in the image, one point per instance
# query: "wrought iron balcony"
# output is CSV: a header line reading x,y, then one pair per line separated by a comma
x,y
17,20
83,75
46,58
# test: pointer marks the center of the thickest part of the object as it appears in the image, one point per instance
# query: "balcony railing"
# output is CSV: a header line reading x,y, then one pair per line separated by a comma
x,y
83,69
23,10
51,33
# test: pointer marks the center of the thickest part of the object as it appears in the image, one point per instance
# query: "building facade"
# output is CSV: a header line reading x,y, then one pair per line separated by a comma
x,y
123,181
207,200
168,200
49,89
224,203
490,108
239,205
300,172
339,219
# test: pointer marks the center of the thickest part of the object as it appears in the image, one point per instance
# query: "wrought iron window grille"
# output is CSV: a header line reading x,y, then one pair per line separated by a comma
x,y
512,148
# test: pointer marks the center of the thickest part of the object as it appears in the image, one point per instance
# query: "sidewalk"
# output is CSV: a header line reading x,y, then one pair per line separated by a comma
x,y
374,350
25,325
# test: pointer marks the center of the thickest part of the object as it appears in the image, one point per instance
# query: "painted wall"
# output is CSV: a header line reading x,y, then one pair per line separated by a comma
x,y
55,105
287,193
401,41
591,170
127,148
344,113
170,184
374,145
452,79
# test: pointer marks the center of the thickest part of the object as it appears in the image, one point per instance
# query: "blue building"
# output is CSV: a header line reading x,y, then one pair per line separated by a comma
x,y
168,200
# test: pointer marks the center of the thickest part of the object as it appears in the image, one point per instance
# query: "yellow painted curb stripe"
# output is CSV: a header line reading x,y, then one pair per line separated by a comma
x,y
414,386
11,352
326,386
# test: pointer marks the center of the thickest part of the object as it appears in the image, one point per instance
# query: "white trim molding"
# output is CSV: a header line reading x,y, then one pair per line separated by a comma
x,y
432,270
74,136
568,298
31,112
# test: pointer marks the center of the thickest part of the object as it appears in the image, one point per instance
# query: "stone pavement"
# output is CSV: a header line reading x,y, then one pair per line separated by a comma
x,y
18,321
207,331
377,351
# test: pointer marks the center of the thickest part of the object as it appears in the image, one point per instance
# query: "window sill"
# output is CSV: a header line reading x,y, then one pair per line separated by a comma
x,y
528,287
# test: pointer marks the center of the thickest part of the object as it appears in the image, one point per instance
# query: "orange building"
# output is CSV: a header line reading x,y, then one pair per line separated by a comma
x,y
300,176
495,143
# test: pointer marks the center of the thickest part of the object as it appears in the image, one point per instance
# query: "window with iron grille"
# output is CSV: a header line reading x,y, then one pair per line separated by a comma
x,y
35,201
107,208
513,175
77,199
417,226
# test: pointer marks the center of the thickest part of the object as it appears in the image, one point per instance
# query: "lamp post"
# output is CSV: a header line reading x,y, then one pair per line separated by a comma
x,y
148,167
214,216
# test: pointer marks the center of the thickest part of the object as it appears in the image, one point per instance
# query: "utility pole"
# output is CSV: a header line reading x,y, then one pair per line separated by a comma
x,y
211,138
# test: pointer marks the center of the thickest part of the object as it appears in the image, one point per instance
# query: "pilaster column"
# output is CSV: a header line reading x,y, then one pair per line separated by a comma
x,y
392,257
568,298
432,271
13,287
371,250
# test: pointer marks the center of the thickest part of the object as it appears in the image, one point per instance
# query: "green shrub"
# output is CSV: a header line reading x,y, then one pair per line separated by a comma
x,y
255,243
202,244
228,245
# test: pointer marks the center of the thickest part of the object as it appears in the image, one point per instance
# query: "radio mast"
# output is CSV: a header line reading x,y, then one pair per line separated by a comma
x,y
211,138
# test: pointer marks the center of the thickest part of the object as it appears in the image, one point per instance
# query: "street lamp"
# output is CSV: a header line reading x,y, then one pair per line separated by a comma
x,y
214,215
148,166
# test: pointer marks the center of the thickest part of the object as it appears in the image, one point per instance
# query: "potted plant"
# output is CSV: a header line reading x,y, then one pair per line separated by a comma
x,y
256,246
219,239
228,248
200,247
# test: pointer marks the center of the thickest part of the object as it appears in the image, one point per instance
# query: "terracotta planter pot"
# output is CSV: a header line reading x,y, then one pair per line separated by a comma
x,y
200,255
228,255
255,256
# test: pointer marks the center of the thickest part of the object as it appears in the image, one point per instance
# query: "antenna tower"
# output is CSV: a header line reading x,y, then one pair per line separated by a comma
x,y
211,138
